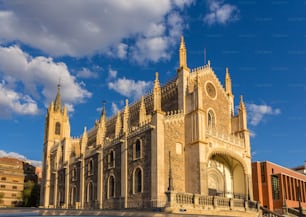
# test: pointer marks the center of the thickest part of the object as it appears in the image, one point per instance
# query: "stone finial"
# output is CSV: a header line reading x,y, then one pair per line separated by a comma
x,y
182,54
118,125
157,94
241,104
142,111
228,82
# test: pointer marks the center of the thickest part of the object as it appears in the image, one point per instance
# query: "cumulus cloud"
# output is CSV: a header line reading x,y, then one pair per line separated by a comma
x,y
12,101
87,73
78,28
221,13
257,113
29,79
20,157
129,88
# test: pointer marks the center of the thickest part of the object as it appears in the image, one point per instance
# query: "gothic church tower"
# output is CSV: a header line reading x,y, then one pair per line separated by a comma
x,y
57,129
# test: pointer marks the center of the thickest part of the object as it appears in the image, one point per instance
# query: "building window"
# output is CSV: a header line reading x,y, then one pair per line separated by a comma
x,y
211,119
90,167
57,128
14,195
262,171
275,188
14,187
74,174
111,159
3,178
111,187
138,180
137,149
89,195
2,186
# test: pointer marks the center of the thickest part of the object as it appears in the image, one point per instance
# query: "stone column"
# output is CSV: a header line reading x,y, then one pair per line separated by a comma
x,y
158,187
82,180
67,190
56,193
124,175
100,179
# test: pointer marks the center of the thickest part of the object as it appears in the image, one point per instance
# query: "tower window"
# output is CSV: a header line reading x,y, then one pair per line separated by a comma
x,y
137,149
90,168
211,120
57,128
111,159
138,180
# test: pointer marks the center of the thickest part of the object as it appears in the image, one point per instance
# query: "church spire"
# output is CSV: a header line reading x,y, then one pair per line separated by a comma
x,y
58,102
183,59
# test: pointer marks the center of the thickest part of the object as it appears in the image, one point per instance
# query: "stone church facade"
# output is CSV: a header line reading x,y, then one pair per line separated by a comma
x,y
183,137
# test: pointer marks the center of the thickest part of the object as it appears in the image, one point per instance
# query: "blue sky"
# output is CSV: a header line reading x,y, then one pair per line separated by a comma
x,y
110,50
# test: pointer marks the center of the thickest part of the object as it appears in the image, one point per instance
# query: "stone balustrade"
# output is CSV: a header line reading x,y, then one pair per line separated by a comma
x,y
232,139
179,200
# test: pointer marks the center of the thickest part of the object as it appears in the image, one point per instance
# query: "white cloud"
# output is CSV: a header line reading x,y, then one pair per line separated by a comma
x,y
86,73
256,113
11,101
221,13
29,79
115,108
129,88
112,74
20,157
77,28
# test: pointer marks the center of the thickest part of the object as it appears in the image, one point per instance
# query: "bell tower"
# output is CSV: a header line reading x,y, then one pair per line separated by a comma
x,y
57,129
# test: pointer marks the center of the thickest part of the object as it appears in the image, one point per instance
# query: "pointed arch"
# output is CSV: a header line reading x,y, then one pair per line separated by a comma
x,y
138,180
211,119
57,128
89,192
111,187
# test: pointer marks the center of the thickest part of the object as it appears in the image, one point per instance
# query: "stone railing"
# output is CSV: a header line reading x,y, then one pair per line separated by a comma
x,y
219,135
181,200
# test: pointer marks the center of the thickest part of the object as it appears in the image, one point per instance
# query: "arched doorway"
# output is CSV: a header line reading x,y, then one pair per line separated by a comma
x,y
226,176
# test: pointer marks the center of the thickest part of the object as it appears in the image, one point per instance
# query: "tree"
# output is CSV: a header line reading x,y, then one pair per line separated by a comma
x,y
30,194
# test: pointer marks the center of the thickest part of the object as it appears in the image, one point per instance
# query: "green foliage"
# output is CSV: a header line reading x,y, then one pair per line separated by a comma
x,y
31,194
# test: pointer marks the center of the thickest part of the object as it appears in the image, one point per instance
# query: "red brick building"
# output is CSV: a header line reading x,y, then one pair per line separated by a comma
x,y
275,186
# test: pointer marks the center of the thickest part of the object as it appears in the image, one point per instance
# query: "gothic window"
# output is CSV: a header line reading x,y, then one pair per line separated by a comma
x,y
211,119
137,149
111,159
138,180
89,195
111,187
90,167
57,128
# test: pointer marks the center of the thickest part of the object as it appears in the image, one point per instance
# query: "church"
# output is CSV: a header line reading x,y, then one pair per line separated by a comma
x,y
182,143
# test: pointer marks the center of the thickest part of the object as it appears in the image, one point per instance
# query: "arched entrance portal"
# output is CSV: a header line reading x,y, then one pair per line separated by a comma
x,y
226,177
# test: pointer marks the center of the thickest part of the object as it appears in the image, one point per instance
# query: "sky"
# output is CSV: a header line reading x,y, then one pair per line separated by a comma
x,y
110,50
